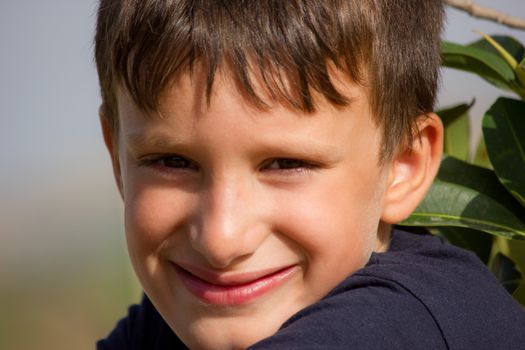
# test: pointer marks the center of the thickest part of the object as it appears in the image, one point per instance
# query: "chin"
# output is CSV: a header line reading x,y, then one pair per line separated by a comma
x,y
230,327
221,336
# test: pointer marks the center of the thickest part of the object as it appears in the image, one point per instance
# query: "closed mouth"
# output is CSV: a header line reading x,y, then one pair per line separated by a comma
x,y
232,289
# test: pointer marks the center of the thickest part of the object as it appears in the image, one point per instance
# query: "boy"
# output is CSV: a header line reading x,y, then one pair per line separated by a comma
x,y
263,149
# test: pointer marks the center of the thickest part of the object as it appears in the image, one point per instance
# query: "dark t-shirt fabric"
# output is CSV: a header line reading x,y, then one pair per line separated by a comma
x,y
420,294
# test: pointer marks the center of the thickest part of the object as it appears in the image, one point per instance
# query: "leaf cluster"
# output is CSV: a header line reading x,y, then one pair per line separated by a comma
x,y
478,198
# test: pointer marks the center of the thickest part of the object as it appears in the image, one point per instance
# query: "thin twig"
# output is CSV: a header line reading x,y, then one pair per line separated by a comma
x,y
487,13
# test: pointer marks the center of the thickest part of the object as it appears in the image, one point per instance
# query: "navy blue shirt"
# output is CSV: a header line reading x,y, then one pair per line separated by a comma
x,y
420,294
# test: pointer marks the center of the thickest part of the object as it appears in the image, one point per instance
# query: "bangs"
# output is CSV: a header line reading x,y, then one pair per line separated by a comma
x,y
289,45
289,48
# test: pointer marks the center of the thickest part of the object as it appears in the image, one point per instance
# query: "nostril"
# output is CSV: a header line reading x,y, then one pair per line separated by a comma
x,y
221,250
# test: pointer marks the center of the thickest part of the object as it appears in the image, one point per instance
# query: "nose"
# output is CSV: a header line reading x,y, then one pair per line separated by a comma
x,y
229,225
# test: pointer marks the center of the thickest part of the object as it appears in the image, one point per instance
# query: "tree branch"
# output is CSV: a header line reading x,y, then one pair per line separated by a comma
x,y
486,13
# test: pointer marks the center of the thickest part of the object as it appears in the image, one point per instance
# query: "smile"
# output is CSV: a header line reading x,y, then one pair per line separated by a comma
x,y
219,289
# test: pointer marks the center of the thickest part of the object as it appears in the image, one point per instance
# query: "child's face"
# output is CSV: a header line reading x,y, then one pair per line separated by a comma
x,y
238,218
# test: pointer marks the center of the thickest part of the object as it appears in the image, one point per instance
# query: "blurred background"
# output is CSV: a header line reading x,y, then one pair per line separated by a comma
x,y
65,278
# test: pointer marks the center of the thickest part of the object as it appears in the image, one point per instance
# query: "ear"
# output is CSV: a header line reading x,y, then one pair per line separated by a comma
x,y
412,171
112,147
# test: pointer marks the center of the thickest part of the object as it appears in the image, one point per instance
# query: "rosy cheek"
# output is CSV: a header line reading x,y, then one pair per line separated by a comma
x,y
147,216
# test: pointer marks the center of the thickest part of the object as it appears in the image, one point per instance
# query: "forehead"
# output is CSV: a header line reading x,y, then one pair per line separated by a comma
x,y
193,90
187,122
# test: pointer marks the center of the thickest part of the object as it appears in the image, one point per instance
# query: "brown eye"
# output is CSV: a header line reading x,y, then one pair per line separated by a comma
x,y
176,162
289,166
286,164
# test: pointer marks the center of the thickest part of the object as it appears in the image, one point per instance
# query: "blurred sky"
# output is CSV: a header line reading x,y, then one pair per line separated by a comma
x,y
59,208
55,179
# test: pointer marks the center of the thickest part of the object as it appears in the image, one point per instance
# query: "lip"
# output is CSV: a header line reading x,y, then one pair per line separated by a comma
x,y
232,289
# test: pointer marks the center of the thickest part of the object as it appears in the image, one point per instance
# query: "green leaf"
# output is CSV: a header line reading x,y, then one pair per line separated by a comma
x,y
504,132
475,60
449,204
479,179
505,271
457,130
516,251
511,61
466,195
449,114
511,45
519,294
520,73
481,157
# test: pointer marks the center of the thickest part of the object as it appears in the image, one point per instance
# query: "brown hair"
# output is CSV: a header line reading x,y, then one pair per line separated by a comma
x,y
291,44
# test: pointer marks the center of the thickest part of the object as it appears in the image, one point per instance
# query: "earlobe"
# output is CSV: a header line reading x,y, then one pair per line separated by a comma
x,y
412,171
109,139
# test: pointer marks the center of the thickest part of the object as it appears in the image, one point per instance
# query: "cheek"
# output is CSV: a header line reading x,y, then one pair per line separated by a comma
x,y
339,202
335,220
152,216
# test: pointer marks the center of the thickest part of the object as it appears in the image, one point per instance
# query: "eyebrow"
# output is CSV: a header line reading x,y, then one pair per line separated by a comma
x,y
139,140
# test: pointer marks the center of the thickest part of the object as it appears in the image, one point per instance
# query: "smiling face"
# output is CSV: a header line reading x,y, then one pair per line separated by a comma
x,y
237,218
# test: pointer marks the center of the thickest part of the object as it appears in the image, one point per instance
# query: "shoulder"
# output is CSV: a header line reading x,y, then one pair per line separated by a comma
x,y
369,313
142,328
469,305
420,294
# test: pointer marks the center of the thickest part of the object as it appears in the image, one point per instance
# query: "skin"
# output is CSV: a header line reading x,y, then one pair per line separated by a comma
x,y
230,189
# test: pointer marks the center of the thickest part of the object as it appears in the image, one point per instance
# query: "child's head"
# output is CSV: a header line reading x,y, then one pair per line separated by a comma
x,y
263,147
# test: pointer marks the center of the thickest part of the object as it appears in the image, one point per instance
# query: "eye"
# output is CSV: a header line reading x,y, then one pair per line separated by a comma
x,y
169,163
177,162
288,164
